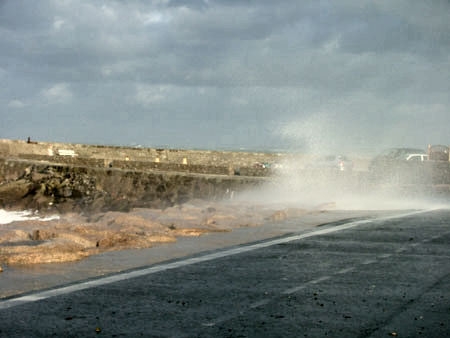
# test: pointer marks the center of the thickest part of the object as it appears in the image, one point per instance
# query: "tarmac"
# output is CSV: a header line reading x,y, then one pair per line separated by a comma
x,y
356,276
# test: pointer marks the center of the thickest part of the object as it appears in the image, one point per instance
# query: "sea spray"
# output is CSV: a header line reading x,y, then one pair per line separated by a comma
x,y
12,216
298,183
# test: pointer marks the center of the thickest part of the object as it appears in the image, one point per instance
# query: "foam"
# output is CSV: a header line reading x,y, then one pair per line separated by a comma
x,y
318,135
12,216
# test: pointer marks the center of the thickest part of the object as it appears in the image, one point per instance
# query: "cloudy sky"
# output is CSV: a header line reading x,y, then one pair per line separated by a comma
x,y
353,75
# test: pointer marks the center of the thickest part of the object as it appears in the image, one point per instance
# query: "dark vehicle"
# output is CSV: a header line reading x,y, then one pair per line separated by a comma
x,y
393,156
398,166
438,153
417,157
332,162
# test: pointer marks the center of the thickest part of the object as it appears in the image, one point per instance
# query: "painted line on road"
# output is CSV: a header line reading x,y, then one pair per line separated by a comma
x,y
304,285
11,302
345,270
369,261
259,303
320,279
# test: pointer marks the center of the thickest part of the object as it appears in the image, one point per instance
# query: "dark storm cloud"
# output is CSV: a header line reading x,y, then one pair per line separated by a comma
x,y
224,73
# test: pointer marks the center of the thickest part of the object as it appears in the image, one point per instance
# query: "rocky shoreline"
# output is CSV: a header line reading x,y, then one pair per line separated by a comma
x,y
140,205
99,210
73,236
52,187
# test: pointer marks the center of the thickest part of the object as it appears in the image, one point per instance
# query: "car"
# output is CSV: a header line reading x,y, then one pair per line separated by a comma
x,y
332,162
417,157
393,156
438,152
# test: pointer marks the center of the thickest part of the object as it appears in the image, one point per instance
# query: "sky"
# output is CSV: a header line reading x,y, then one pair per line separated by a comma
x,y
338,76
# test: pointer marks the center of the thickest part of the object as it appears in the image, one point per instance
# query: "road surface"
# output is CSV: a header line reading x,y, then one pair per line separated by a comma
x,y
364,278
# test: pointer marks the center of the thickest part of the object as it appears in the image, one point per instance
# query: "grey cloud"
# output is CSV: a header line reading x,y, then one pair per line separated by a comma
x,y
23,15
228,70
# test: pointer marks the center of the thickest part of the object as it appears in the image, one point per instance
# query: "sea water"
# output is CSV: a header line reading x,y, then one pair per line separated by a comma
x,y
12,216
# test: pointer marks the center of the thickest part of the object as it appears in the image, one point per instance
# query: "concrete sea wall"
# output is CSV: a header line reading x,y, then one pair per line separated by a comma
x,y
96,155
45,186
78,177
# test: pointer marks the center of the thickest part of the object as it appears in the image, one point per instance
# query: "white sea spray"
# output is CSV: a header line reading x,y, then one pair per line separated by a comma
x,y
12,216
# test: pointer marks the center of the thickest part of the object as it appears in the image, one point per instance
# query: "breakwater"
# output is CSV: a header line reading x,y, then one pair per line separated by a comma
x,y
46,186
75,177
196,161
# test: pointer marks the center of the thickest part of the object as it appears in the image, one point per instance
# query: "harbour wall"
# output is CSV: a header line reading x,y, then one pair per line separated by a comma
x,y
105,155
74,176
90,177
36,185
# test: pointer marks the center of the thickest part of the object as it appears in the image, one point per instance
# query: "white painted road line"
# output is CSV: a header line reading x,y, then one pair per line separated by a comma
x,y
345,270
11,302
320,279
369,261
294,289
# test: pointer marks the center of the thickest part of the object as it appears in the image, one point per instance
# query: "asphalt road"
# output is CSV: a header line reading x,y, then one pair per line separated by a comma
x,y
374,278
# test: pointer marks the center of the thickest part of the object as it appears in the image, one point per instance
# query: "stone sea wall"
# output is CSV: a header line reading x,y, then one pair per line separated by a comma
x,y
67,188
74,177
105,155
77,177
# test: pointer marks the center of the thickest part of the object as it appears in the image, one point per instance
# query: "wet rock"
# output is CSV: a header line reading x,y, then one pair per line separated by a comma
x,y
94,189
12,193
113,209
35,236
278,216
74,236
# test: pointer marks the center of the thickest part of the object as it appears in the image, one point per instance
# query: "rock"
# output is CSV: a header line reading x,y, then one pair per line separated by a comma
x,y
12,192
75,235
35,236
71,188
278,216
40,202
